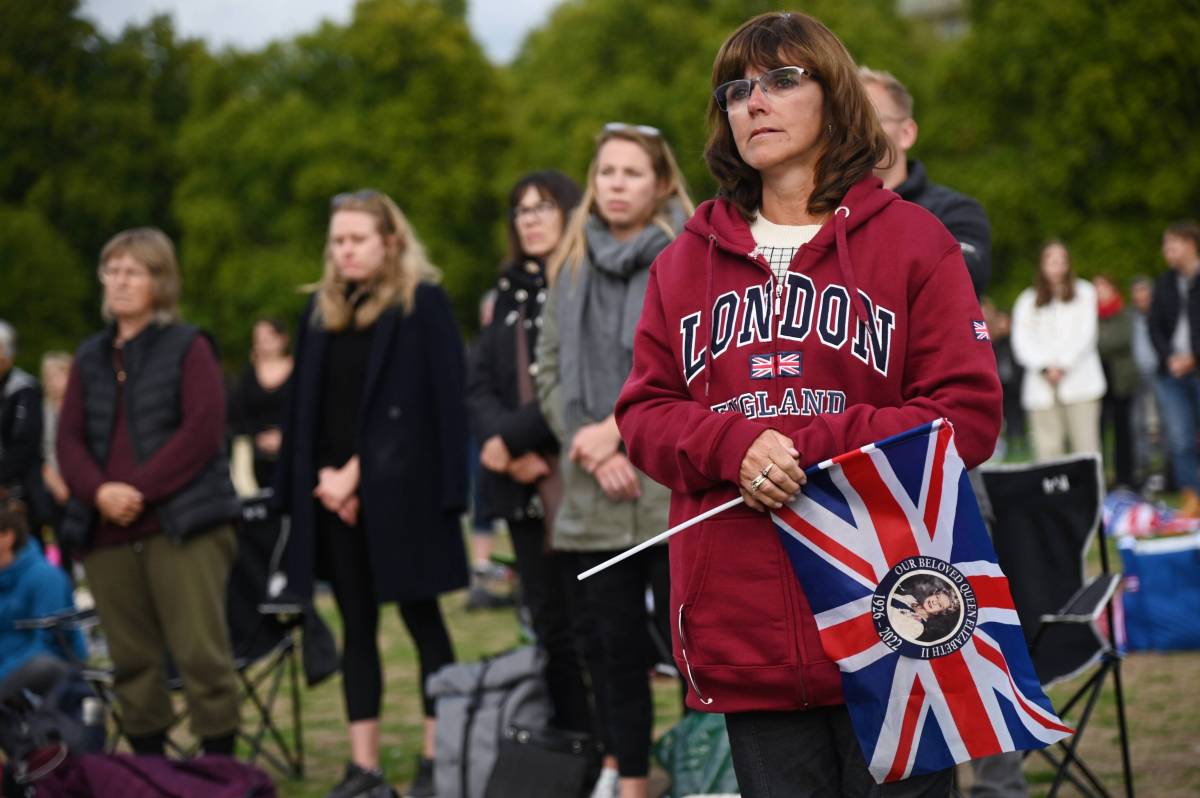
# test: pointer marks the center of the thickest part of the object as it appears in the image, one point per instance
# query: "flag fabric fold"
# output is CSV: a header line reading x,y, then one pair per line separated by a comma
x,y
890,549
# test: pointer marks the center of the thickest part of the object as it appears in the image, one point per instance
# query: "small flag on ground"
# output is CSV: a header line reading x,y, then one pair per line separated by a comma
x,y
890,549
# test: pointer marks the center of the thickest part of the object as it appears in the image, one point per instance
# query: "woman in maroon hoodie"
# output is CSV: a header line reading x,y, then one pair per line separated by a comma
x,y
754,359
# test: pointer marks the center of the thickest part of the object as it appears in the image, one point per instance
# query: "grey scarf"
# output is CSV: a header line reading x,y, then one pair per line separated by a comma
x,y
599,304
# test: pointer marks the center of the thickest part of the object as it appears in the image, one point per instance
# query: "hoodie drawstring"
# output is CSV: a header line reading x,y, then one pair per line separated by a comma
x,y
708,300
857,303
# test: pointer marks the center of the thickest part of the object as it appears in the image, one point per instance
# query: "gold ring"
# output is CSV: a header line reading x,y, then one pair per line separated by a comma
x,y
757,483
767,470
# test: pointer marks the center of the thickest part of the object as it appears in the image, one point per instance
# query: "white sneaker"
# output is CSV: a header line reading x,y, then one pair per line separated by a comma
x,y
608,785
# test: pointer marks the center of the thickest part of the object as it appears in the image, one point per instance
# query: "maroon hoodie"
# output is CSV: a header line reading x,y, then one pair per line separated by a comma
x,y
723,353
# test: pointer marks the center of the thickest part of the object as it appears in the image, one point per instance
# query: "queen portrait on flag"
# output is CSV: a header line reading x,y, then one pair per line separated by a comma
x,y
804,313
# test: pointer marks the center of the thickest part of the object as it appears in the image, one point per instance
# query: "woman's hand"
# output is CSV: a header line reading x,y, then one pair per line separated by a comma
x,y
770,473
268,441
528,468
595,444
1053,375
618,479
349,511
336,486
494,456
119,503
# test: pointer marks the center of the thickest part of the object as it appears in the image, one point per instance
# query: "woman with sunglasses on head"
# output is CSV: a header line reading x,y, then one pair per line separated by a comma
x,y
373,469
519,452
754,359
634,205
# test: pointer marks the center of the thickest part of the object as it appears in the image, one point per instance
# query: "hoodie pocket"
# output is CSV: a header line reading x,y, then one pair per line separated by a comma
x,y
738,604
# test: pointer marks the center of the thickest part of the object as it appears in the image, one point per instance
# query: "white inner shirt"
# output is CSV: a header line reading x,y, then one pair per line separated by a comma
x,y
777,243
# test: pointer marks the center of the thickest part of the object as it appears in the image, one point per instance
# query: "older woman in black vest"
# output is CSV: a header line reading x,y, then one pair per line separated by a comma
x,y
140,446
373,468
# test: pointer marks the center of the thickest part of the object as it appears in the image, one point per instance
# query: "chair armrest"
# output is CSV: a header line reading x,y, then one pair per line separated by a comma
x,y
67,619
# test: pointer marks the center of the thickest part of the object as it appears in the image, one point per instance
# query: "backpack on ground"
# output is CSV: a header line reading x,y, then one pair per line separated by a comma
x,y
500,708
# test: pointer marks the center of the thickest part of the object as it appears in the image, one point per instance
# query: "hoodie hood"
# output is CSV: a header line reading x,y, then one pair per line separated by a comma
x,y
720,219
719,222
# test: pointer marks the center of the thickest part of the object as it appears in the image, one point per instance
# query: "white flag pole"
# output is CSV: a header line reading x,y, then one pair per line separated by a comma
x,y
660,537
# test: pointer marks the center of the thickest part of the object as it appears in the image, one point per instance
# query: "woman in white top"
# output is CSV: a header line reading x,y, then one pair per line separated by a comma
x,y
1054,329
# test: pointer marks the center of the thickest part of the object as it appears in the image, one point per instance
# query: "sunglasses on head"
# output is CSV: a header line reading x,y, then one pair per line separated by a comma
x,y
622,127
362,195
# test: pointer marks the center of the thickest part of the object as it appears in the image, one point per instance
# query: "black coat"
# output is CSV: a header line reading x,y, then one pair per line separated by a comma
x,y
492,394
963,217
411,443
1164,315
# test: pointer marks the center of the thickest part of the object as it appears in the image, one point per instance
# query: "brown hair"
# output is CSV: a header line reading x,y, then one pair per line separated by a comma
x,y
152,248
1185,229
13,519
574,241
1045,291
856,142
551,185
405,266
891,84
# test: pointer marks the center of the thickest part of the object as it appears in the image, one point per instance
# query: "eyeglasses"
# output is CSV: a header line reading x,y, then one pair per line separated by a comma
x,y
112,274
778,83
622,127
364,195
540,211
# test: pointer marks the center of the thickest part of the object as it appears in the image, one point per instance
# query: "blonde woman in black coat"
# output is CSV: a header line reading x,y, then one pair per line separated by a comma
x,y
373,468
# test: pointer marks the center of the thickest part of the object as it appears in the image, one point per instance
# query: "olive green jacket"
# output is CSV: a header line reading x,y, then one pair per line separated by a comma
x,y
1115,343
587,519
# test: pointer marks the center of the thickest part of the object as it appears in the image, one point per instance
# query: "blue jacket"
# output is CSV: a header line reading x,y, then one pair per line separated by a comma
x,y
32,588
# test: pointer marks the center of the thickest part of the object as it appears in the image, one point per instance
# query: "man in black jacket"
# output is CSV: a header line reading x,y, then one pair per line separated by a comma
x,y
1174,324
20,429
962,215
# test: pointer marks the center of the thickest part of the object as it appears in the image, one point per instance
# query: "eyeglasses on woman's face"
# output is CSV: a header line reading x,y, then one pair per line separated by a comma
x,y
779,83
540,210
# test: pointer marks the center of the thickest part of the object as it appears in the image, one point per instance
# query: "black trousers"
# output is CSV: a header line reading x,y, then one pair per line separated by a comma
x,y
548,595
346,556
616,602
813,754
1117,412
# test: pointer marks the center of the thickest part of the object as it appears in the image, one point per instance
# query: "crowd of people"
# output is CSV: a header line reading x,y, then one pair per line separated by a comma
x,y
613,390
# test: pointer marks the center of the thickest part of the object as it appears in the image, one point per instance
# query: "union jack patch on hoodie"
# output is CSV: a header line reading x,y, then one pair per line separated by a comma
x,y
981,331
780,364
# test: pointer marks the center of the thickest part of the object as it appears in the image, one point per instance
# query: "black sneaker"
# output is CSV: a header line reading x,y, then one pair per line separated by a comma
x,y
422,784
359,782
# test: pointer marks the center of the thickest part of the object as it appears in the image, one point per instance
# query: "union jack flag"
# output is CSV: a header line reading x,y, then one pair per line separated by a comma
x,y
981,331
780,364
889,547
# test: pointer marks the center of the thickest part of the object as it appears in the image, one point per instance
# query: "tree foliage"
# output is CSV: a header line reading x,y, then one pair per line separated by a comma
x,y
1072,119
401,99
1076,121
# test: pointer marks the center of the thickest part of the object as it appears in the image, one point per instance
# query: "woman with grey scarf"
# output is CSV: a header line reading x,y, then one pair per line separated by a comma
x,y
634,205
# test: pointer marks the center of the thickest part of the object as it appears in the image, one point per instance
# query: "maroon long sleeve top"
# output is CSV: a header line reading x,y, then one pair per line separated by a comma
x,y
176,463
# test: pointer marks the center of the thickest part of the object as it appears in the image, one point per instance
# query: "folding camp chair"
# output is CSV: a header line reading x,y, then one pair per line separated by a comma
x,y
266,648
1043,518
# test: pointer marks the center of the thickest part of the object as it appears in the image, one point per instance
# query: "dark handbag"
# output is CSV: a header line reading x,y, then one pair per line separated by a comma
x,y
550,487
544,763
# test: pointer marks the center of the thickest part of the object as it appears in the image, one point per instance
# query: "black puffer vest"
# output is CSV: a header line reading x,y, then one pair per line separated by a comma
x,y
154,371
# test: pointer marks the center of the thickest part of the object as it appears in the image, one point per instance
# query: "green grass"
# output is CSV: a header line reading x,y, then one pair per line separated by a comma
x,y
475,635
